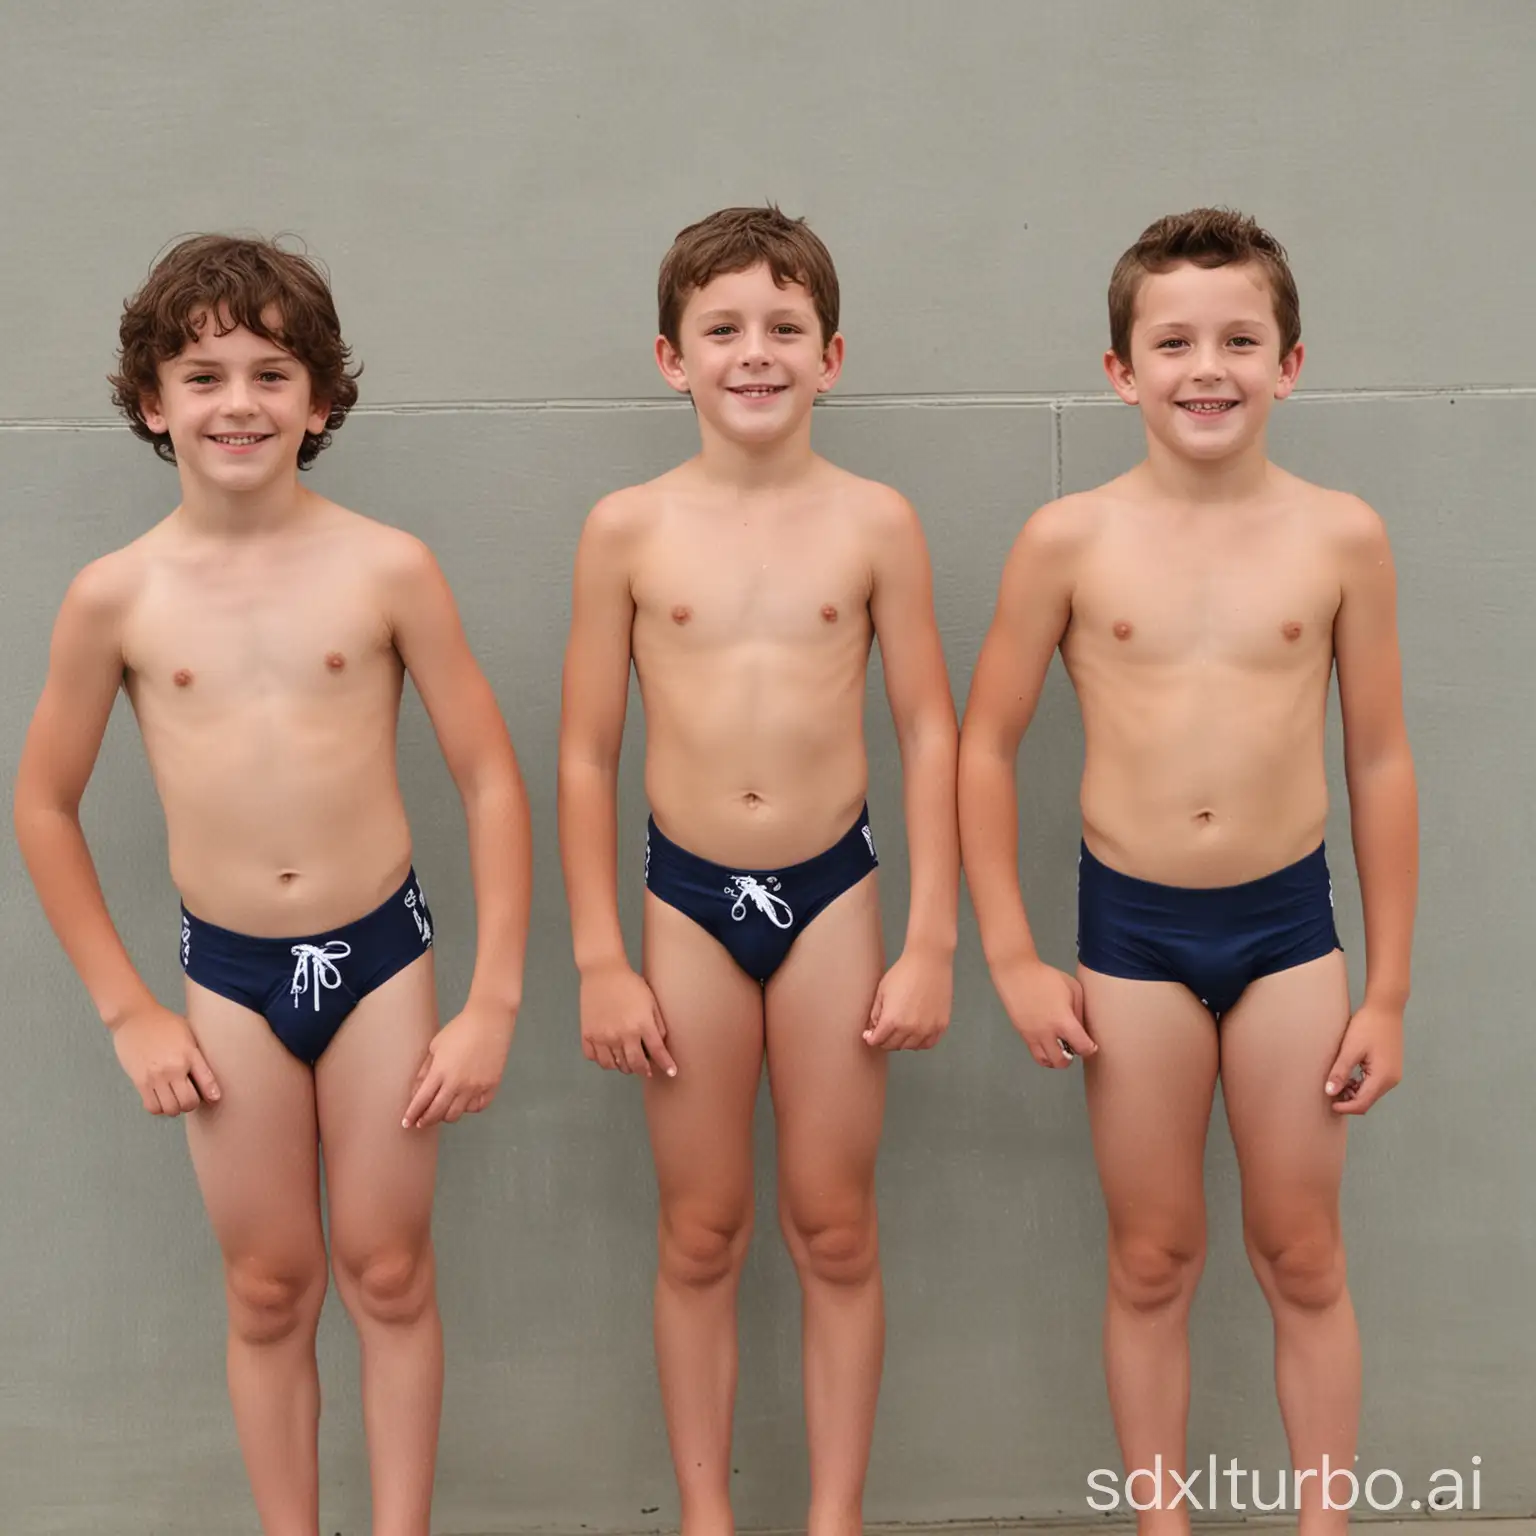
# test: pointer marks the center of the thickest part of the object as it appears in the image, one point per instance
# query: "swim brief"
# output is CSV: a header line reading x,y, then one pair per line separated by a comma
x,y
306,987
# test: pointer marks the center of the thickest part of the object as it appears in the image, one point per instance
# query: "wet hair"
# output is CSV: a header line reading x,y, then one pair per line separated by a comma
x,y
230,281
735,239
1204,237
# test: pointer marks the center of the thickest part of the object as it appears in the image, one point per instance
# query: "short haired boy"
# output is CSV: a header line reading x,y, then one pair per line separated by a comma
x,y
745,586
262,635
1201,602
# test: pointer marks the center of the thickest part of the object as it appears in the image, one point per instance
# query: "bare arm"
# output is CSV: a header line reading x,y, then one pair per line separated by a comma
x,y
1383,794
917,686
85,671
474,742
594,696
1034,605
1384,812
621,1026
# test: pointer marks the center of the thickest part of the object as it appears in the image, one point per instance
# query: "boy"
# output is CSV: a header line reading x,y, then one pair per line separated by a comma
x,y
1200,603
746,586
261,634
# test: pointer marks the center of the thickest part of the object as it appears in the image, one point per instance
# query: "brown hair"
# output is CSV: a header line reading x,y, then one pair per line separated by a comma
x,y
1204,237
228,281
735,239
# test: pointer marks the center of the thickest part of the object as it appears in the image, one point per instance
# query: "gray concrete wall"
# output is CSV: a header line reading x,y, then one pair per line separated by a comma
x,y
493,186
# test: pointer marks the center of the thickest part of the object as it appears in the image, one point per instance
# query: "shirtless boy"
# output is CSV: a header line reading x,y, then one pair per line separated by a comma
x,y
261,634
745,586
1200,603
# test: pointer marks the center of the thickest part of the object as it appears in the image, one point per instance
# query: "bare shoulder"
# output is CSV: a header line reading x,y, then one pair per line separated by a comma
x,y
880,512
105,591
1341,520
1062,529
623,516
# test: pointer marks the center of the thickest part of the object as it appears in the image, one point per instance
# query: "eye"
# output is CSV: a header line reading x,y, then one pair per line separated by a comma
x,y
720,330
201,378
1244,341
1168,343
271,376
787,328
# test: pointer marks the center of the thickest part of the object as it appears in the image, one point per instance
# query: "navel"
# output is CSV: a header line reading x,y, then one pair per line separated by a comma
x,y
1122,629
681,614
335,660
182,678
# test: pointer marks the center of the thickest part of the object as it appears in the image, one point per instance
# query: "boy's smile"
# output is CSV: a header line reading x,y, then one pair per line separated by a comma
x,y
236,407
1205,359
751,355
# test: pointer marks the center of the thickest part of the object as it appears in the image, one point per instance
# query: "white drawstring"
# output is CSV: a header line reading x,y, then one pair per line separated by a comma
x,y
316,968
761,895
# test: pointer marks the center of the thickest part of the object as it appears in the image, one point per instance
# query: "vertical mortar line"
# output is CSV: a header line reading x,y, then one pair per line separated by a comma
x,y
1056,450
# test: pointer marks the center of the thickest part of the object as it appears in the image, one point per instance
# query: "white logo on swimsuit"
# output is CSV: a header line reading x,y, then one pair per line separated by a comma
x,y
869,837
186,940
761,893
317,968
423,927
647,858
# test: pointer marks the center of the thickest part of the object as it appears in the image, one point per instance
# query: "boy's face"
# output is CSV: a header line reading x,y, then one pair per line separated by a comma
x,y
236,407
1205,359
751,355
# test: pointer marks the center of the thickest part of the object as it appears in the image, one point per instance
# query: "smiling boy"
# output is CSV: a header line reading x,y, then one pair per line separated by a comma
x,y
1200,603
262,635
746,587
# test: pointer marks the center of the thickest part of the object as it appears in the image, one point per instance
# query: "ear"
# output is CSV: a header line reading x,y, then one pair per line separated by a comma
x,y
1290,368
149,409
319,412
670,361
831,364
1121,379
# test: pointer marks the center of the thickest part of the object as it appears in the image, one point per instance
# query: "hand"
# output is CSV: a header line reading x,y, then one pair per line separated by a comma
x,y
1046,1007
1374,1044
461,1071
621,1027
912,1002
160,1054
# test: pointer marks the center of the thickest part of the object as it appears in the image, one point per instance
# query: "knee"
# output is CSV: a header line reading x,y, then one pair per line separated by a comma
x,y
1303,1269
270,1302
1149,1274
836,1247
702,1249
390,1285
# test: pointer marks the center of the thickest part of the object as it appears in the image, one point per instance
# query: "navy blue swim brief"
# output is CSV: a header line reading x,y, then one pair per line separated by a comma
x,y
757,913
1216,940
306,987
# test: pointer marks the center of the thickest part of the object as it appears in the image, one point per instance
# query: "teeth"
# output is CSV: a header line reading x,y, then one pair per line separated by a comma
x,y
1204,409
239,442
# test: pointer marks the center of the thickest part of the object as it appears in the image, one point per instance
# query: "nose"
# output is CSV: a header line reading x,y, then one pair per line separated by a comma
x,y
238,398
1209,364
754,348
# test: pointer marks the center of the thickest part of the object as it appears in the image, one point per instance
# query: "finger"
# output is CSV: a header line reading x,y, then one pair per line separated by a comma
x,y
635,1058
653,1037
425,1093
435,1110
165,1100
150,1099
891,1037
456,1110
1077,996
888,1025
477,1103
615,1059
589,1050
1340,1073
1357,1097
876,1013
185,1092
202,1076
1076,1038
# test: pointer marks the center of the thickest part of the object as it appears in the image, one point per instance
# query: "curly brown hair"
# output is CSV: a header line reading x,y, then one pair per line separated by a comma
x,y
1204,237
232,281
734,239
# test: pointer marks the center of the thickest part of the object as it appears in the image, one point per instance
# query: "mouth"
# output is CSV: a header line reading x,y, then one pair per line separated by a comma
x,y
238,439
1206,407
757,391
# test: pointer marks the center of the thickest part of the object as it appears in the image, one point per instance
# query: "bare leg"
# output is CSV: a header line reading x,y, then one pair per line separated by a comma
x,y
380,1180
1150,1088
701,1138
829,1101
257,1165
1277,1044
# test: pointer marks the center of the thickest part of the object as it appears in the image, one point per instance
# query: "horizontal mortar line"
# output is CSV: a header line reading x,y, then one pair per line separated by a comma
x,y
952,401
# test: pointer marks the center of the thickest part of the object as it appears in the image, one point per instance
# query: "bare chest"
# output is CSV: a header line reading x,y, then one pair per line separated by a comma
x,y
198,646
1265,608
